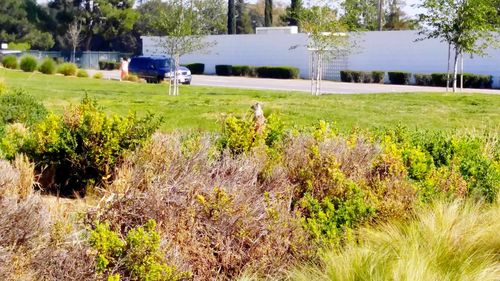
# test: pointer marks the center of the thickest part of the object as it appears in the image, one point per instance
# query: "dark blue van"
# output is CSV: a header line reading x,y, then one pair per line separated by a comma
x,y
156,68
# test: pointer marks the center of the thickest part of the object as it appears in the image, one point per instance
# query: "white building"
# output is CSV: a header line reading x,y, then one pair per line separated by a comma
x,y
377,50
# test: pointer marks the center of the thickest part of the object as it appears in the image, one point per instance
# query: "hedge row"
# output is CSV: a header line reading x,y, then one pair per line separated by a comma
x,y
439,80
196,68
278,72
362,76
403,78
108,65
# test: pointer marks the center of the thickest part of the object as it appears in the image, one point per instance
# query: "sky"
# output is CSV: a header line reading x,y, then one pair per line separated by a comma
x,y
408,9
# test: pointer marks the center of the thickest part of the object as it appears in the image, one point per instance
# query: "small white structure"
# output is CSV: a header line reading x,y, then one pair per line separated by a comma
x,y
377,50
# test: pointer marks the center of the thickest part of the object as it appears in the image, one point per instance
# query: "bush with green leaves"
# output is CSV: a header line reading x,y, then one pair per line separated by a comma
x,y
82,73
378,76
137,256
67,69
98,75
16,106
223,70
10,62
399,77
278,72
196,68
244,70
423,79
48,66
28,63
82,147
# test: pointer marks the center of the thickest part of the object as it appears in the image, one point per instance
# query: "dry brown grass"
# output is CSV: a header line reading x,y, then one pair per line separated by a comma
x,y
217,217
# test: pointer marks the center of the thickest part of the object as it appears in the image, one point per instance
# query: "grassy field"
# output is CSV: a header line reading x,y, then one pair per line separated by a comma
x,y
201,107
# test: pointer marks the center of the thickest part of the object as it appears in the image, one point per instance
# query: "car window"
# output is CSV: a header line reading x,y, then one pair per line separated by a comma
x,y
162,63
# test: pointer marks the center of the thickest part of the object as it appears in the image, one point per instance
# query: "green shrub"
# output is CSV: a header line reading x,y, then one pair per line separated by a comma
x,y
346,76
84,145
439,79
109,65
67,69
476,81
20,46
399,77
378,76
223,70
196,68
137,257
10,62
18,107
357,76
98,75
3,86
28,63
243,70
82,73
132,78
278,72
48,66
423,79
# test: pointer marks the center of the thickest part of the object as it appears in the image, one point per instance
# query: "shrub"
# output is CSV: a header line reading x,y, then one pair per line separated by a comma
x,y
81,148
476,81
423,79
10,62
131,78
28,63
439,79
427,244
67,69
109,65
399,77
138,256
196,68
82,73
98,75
48,66
18,107
357,76
346,76
378,76
244,70
223,70
278,72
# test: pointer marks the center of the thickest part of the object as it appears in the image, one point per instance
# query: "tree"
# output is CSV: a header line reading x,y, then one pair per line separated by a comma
x,y
15,26
268,13
293,12
328,39
182,34
74,38
231,23
467,26
243,21
396,18
360,14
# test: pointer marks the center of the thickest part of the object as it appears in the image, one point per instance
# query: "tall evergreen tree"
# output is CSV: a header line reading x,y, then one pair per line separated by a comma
x,y
243,21
293,13
268,13
231,23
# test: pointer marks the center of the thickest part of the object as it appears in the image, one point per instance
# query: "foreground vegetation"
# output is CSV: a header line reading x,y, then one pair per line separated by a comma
x,y
202,107
249,200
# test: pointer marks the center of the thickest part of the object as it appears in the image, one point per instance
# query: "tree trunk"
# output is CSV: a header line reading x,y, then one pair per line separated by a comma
x,y
455,71
268,13
461,72
380,14
231,23
448,70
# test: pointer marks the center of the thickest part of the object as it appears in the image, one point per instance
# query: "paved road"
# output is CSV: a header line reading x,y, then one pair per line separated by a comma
x,y
328,87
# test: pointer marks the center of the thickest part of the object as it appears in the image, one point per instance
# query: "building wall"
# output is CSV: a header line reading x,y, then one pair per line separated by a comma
x,y
378,50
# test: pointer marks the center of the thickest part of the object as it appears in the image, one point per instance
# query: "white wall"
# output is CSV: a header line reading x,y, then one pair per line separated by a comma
x,y
250,49
384,50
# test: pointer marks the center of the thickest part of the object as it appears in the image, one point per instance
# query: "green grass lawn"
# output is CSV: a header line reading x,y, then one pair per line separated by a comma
x,y
201,107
